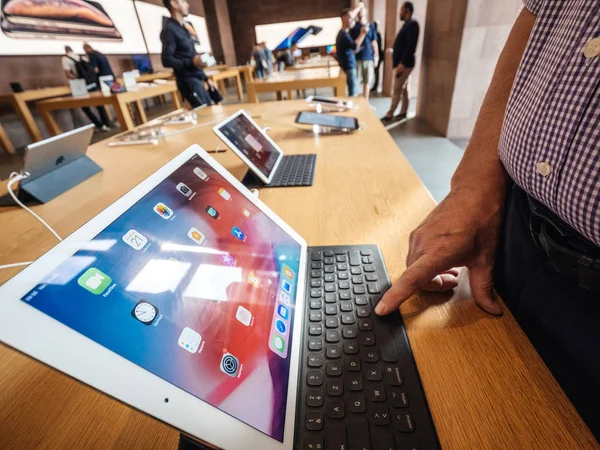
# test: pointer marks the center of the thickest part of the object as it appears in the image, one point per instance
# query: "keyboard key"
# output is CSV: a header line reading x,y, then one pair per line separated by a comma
x,y
369,268
329,287
334,369
346,306
365,324
355,271
315,329
382,439
329,260
370,355
351,347
344,284
371,277
332,336
341,258
345,295
317,283
328,253
329,277
386,342
316,265
367,260
314,377
329,269
316,256
358,435
333,351
316,304
352,363
361,300
366,252
374,288
330,298
393,376
331,309
335,409
347,318
403,422
399,398
313,441
343,275
314,397
314,420
349,332
332,322
315,344
357,279
335,388
342,266
315,360
336,437
316,293
357,289
357,404
379,415
354,258
361,311
315,316
354,382
374,374
375,393
316,273
367,339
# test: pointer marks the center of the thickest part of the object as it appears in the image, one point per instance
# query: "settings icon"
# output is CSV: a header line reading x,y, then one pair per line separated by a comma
x,y
230,364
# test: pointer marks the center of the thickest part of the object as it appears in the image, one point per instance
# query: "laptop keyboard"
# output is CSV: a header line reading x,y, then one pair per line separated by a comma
x,y
360,389
295,170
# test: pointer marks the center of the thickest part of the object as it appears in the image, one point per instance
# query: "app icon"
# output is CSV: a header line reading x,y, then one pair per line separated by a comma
x,y
238,233
228,259
186,191
163,211
243,315
283,312
246,213
253,280
135,240
281,326
201,174
190,340
278,343
145,312
288,272
196,236
287,286
94,281
212,212
230,365
223,193
284,298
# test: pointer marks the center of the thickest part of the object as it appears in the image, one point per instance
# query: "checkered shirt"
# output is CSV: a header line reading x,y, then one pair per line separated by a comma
x,y
552,121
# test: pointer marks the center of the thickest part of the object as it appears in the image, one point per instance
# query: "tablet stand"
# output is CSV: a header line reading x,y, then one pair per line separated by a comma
x,y
250,180
319,129
187,443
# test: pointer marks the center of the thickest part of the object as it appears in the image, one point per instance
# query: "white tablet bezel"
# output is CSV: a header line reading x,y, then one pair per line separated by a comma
x,y
241,155
33,332
346,104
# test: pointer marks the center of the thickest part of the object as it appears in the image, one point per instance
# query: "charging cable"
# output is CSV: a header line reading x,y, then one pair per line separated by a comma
x,y
15,178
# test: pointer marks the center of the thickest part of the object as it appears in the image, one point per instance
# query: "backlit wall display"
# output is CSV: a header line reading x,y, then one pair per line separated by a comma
x,y
276,33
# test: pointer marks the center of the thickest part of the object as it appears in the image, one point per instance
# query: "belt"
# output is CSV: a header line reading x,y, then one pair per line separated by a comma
x,y
570,253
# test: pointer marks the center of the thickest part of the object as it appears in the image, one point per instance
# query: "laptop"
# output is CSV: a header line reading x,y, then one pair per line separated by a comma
x,y
190,300
55,165
267,163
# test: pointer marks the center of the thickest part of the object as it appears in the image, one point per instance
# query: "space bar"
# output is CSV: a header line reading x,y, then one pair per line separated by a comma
x,y
385,341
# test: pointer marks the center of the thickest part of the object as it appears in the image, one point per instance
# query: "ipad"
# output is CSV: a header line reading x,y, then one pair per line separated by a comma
x,y
330,101
327,120
171,300
251,144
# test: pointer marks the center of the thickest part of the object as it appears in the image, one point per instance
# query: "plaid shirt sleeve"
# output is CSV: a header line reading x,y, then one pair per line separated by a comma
x,y
534,6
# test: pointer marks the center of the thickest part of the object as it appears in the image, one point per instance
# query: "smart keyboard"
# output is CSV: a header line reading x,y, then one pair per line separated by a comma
x,y
359,387
295,170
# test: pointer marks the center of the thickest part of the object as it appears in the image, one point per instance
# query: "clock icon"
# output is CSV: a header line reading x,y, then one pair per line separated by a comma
x,y
145,312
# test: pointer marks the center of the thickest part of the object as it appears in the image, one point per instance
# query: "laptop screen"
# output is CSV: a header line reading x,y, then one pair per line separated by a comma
x,y
195,284
251,142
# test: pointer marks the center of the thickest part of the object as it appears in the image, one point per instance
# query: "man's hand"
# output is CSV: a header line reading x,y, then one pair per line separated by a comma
x,y
462,231
364,30
211,83
197,60
399,68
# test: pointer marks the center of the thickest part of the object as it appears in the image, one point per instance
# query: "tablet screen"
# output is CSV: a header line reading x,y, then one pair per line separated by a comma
x,y
195,284
249,140
326,120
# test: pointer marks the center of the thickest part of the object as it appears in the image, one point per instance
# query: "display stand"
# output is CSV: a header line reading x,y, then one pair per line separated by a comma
x,y
321,130
252,181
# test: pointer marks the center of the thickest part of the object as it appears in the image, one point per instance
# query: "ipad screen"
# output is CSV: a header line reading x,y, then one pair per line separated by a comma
x,y
194,284
250,141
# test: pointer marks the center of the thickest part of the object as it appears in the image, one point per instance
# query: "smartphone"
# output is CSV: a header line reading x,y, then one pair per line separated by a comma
x,y
330,101
47,19
327,120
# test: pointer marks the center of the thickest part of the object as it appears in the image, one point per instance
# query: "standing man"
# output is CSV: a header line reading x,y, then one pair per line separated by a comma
x,y
268,57
99,61
346,47
523,213
179,53
260,61
404,61
76,67
381,55
367,56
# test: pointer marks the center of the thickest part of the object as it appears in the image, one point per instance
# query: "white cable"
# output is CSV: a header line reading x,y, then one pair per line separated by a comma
x,y
14,178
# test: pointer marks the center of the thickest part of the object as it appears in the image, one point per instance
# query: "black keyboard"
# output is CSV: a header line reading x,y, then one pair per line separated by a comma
x,y
359,388
295,170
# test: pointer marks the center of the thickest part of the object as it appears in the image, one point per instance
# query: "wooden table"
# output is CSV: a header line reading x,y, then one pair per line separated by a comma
x,y
247,71
314,64
162,75
19,101
296,80
5,141
118,101
219,77
486,385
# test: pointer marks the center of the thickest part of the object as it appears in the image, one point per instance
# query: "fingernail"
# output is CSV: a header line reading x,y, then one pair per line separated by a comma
x,y
380,309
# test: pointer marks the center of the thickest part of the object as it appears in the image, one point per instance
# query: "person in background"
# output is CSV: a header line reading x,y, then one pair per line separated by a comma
x,y
404,61
284,59
179,53
367,56
296,53
268,57
99,61
260,61
346,47
381,55
74,67
523,212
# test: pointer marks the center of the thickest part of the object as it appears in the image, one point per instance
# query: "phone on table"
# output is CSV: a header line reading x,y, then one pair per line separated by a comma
x,y
327,120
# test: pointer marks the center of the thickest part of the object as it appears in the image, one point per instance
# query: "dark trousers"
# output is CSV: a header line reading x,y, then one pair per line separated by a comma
x,y
561,319
193,90
98,122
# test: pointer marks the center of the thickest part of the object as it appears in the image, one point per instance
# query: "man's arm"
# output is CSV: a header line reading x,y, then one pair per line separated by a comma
x,y
375,47
168,57
412,37
464,229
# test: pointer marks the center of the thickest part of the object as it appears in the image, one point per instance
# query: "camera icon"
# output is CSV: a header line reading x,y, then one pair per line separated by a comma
x,y
229,365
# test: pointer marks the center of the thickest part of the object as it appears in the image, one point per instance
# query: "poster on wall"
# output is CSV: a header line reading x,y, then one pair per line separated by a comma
x,y
304,33
152,18
44,27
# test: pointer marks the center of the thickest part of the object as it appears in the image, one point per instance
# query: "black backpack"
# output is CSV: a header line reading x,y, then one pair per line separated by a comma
x,y
85,70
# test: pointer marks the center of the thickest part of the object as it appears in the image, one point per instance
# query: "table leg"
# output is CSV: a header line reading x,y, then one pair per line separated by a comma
x,y
50,122
279,95
123,115
238,80
222,87
27,118
176,100
5,141
141,111
290,94
251,91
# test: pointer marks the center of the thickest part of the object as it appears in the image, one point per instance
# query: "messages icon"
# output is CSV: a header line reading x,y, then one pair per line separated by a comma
x,y
94,281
